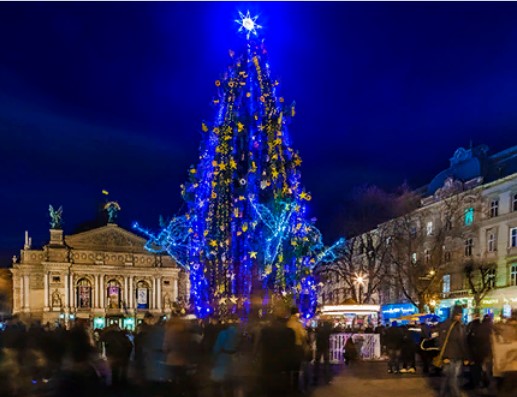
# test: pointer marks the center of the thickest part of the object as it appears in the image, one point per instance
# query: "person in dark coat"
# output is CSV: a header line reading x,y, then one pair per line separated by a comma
x,y
478,349
410,341
393,340
118,351
78,376
455,352
351,355
323,332
277,350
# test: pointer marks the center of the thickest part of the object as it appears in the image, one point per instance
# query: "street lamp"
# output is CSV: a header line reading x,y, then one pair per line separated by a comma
x,y
359,281
432,305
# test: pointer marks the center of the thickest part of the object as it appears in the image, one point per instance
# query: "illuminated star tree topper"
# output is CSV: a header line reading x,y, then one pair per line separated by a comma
x,y
248,23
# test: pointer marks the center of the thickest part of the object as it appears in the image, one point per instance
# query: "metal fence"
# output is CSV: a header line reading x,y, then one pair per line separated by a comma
x,y
368,346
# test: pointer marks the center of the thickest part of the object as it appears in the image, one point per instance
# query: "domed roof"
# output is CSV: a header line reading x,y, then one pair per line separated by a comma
x,y
466,164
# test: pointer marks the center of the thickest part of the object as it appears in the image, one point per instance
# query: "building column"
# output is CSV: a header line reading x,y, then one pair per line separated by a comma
x,y
26,292
153,295
45,291
67,291
102,292
159,292
98,291
95,291
72,292
21,298
131,293
126,298
174,289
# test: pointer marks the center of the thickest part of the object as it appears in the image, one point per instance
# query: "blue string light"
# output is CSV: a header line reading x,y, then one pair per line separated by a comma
x,y
246,213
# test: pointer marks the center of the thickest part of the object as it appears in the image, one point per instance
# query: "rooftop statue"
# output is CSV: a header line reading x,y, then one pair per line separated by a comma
x,y
112,208
56,221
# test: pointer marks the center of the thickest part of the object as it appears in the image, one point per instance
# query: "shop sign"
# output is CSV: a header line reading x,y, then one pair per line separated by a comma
x,y
402,309
490,302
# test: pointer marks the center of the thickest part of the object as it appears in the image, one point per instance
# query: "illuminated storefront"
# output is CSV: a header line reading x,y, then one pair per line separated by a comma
x,y
500,302
353,315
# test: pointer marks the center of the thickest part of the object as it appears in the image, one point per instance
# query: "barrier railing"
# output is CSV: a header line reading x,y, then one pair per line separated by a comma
x,y
368,346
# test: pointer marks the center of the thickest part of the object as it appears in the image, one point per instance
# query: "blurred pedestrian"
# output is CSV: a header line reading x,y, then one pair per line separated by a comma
x,y
452,341
504,342
323,332
301,350
277,352
118,350
393,340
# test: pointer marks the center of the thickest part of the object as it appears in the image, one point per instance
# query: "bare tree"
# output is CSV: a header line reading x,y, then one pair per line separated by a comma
x,y
424,240
480,277
361,263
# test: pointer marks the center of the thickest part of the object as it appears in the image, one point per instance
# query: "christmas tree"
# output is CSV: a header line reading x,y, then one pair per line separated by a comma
x,y
246,228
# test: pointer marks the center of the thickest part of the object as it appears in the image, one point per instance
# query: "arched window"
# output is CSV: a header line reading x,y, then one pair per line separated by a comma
x,y
113,294
142,295
84,294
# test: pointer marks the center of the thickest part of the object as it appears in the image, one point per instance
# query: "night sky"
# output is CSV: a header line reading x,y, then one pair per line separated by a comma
x,y
112,96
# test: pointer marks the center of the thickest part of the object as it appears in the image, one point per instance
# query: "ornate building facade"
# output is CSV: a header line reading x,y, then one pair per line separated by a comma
x,y
459,246
103,275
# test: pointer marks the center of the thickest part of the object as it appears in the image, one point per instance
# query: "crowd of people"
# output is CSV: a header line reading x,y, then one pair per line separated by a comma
x,y
181,356
261,357
465,352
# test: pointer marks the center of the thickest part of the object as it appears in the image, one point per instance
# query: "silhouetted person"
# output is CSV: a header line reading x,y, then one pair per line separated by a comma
x,y
79,376
276,346
323,332
350,355
393,339
118,350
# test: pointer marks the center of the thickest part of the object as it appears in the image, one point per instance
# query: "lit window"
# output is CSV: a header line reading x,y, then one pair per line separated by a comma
x,y
513,237
429,228
446,283
113,293
413,258
491,242
469,216
513,274
468,247
494,208
84,294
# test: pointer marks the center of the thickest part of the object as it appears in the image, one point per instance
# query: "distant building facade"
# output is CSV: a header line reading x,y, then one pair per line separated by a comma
x,y
103,275
481,233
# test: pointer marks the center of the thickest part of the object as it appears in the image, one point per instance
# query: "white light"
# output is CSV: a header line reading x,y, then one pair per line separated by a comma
x,y
247,22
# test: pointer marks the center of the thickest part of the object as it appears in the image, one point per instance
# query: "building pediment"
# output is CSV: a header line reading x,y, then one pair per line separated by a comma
x,y
110,238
